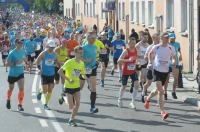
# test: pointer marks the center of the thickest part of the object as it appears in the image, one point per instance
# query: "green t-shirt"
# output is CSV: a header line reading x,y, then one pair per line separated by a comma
x,y
73,70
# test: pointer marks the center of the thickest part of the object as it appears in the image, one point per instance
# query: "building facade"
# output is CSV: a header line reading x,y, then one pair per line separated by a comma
x,y
178,16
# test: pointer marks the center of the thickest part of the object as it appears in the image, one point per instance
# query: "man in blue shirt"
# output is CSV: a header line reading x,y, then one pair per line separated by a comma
x,y
13,38
39,43
118,46
174,70
110,33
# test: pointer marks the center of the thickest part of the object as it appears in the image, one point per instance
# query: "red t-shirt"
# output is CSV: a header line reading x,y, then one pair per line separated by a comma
x,y
5,45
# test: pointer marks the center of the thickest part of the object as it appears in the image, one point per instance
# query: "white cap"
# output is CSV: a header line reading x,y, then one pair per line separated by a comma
x,y
51,43
102,33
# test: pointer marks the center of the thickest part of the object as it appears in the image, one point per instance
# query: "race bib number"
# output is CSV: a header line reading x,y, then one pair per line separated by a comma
x,y
103,52
72,53
5,53
131,67
163,63
76,73
88,70
118,46
49,62
143,53
33,54
38,45
20,63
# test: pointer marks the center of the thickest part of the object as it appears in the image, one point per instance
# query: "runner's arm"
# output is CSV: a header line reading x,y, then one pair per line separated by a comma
x,y
9,63
39,59
121,58
61,73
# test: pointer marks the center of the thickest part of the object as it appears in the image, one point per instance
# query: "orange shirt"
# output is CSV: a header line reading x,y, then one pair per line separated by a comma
x,y
71,44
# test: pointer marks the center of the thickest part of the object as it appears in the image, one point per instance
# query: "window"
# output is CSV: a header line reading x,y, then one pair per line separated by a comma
x,y
184,16
105,13
91,9
143,12
137,13
87,10
85,7
101,8
79,9
150,13
123,11
119,11
170,14
94,4
132,11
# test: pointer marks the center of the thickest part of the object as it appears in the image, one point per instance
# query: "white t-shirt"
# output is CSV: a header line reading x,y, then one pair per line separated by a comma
x,y
141,52
57,42
163,57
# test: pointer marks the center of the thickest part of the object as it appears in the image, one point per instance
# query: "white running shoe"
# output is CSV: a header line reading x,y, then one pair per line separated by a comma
x,y
120,103
132,105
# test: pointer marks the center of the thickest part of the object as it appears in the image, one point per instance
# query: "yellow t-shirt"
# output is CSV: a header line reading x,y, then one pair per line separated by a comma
x,y
73,70
99,45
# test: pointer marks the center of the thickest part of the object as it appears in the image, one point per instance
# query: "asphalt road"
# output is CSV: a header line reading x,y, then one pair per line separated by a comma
x,y
183,117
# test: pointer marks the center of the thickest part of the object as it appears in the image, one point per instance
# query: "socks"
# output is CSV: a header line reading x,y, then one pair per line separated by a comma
x,y
120,73
134,94
9,93
20,97
121,93
93,99
141,85
48,96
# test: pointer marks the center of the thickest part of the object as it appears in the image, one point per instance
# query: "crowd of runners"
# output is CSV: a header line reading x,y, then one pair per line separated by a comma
x,y
65,51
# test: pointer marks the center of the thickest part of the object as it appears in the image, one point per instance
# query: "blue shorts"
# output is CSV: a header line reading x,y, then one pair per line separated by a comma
x,y
134,77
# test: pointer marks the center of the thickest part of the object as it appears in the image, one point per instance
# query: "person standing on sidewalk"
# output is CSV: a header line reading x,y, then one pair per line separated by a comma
x,y
159,60
174,70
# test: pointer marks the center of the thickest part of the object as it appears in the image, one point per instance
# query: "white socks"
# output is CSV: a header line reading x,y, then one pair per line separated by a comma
x,y
121,93
134,94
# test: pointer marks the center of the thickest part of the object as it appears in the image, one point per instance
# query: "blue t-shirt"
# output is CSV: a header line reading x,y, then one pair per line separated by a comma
x,y
30,47
176,46
90,52
12,42
15,56
48,64
69,30
39,43
118,46
110,33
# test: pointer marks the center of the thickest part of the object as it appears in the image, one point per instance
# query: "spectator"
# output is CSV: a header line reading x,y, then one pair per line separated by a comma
x,y
122,34
110,33
95,27
135,35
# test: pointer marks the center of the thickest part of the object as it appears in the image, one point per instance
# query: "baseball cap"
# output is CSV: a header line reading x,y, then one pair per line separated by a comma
x,y
172,35
102,33
165,34
117,34
51,43
63,40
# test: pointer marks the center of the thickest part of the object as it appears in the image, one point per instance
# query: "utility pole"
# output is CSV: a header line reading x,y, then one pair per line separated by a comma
x,y
116,13
191,36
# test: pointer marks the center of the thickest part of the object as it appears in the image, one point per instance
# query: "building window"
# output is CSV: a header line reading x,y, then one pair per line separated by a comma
x,y
87,9
132,11
101,8
184,16
143,12
79,9
91,9
105,13
137,13
123,10
150,13
94,4
119,11
170,14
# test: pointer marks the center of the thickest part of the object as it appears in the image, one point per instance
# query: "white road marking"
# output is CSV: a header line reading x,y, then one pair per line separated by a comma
x,y
38,110
33,94
34,101
43,123
34,84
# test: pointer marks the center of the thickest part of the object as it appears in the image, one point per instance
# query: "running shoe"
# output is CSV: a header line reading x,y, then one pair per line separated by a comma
x,y
174,95
61,100
164,115
142,99
46,107
102,83
94,110
8,104
20,108
72,123
120,103
165,96
39,95
132,105
63,94
146,104
112,72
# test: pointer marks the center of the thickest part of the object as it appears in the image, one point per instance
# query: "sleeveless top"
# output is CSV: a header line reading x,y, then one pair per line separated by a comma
x,y
129,68
141,52
48,64
62,55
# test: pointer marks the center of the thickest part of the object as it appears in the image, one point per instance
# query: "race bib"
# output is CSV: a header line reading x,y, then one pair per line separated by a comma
x,y
118,46
72,53
5,53
38,45
143,53
163,63
131,67
20,63
33,54
49,62
88,70
103,52
76,73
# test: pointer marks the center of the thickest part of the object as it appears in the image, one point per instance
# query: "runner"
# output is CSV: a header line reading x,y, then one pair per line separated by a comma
x,y
174,70
15,63
39,43
71,44
118,45
128,59
156,40
89,58
73,68
104,56
48,58
5,47
162,53
30,47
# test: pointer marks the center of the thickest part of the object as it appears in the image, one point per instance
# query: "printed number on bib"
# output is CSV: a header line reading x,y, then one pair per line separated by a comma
x,y
131,67
72,53
103,52
38,45
5,53
33,54
118,46
20,63
76,73
163,63
49,62
143,53
88,70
